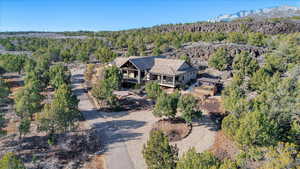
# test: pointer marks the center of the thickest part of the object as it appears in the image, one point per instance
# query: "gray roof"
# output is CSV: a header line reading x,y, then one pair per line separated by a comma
x,y
170,67
157,64
141,62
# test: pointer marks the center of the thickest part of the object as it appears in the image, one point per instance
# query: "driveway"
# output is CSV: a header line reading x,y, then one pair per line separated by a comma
x,y
124,134
116,154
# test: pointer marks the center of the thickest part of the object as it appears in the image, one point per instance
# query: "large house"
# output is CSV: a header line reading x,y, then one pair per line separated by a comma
x,y
167,72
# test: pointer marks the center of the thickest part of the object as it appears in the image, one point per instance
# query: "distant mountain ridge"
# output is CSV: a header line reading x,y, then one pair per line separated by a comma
x,y
276,12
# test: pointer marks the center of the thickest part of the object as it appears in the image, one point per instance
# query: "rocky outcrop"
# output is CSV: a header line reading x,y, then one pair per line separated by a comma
x,y
266,27
200,52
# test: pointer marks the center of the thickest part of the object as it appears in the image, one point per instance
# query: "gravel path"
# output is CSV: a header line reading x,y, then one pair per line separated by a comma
x,y
124,134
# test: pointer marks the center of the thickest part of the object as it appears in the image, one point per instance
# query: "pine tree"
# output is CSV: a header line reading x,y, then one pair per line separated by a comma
x,y
62,113
158,153
188,107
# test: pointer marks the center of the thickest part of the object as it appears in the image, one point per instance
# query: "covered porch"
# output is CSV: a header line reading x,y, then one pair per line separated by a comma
x,y
131,75
165,80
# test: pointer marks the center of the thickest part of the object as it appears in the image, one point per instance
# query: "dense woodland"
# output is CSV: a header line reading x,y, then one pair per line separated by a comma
x,y
262,100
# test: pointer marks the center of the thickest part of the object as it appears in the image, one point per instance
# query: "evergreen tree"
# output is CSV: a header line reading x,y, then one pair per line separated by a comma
x,y
220,60
153,90
158,153
2,124
105,55
62,113
245,64
256,39
114,76
237,37
28,101
188,107
4,91
59,75
166,105
24,127
192,160
185,58
10,161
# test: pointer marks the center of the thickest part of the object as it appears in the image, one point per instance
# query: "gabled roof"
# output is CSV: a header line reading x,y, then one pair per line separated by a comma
x,y
156,64
170,66
141,62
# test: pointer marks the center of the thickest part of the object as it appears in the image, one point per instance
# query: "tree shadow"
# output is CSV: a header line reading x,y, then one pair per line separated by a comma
x,y
10,76
207,121
28,147
114,114
77,81
117,131
79,92
77,76
92,114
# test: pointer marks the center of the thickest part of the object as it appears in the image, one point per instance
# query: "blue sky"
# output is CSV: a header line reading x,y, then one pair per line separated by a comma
x,y
73,15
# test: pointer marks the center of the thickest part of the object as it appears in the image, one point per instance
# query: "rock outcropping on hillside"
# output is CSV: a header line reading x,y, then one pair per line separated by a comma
x,y
200,52
266,27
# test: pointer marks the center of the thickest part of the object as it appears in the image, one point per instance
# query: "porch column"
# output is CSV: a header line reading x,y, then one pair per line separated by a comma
x,y
127,75
139,76
174,81
161,79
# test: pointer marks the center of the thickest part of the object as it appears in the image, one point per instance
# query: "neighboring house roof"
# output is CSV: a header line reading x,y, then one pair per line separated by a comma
x,y
119,61
170,67
156,64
